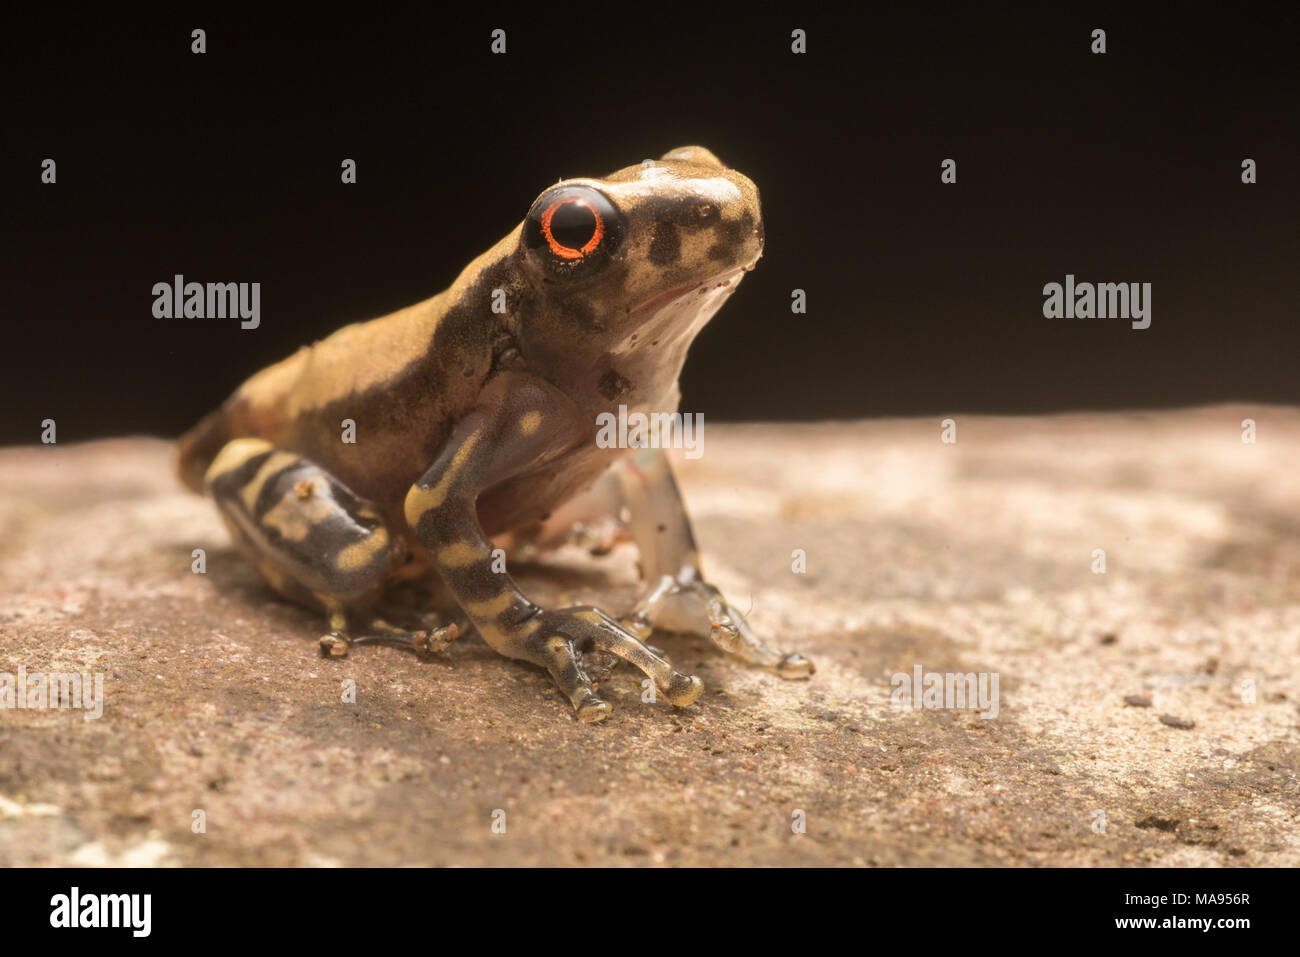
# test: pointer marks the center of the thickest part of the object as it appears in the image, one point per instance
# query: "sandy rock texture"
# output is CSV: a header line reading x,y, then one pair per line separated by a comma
x,y
1147,715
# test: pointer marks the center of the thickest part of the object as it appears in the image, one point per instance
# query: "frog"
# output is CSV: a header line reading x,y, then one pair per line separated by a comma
x,y
473,419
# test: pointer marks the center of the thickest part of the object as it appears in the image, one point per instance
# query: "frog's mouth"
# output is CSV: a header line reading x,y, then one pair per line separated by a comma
x,y
714,289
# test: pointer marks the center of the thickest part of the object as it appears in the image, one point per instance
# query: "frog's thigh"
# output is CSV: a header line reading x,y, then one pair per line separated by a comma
x,y
309,535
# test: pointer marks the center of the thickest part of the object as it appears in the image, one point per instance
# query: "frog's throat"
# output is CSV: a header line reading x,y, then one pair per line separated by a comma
x,y
680,313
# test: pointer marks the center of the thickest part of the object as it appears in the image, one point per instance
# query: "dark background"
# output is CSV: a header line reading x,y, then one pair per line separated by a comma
x,y
923,298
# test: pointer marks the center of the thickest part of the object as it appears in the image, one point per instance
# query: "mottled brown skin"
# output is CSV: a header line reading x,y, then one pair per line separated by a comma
x,y
476,415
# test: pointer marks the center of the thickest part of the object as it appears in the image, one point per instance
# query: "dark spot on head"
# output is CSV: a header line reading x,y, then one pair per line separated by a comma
x,y
697,213
665,248
467,371
612,385
732,231
719,251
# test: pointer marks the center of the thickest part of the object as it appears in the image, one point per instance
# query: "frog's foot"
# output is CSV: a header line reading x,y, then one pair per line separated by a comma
x,y
687,603
563,641
422,641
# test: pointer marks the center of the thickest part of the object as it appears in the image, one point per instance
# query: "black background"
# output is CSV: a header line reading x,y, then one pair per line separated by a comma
x,y
923,298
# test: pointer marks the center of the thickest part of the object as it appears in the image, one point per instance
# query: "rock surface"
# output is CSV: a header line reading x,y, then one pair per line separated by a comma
x,y
976,557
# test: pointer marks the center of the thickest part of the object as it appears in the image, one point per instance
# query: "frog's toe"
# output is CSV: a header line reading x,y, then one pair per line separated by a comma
x,y
422,641
680,690
334,645
685,691
730,631
558,655
795,666
690,604
599,636
593,709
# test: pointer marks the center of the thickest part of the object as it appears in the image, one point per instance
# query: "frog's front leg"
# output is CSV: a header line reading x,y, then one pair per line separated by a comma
x,y
678,597
518,423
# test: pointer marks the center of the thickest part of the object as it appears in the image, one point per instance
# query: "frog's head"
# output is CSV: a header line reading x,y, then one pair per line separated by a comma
x,y
634,264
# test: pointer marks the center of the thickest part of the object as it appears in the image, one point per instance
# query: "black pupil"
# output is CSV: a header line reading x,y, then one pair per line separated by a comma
x,y
573,224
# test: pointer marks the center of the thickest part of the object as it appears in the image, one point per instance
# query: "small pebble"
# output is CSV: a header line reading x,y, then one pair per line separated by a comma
x,y
1138,700
1176,722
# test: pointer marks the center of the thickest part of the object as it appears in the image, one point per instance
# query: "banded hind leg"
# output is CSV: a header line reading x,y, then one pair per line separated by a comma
x,y
315,542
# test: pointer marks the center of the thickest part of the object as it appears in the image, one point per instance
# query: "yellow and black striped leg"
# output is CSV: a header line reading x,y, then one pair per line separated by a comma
x,y
521,420
678,597
313,540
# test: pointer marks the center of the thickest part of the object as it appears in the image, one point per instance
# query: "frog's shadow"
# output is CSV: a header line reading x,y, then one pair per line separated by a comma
x,y
233,576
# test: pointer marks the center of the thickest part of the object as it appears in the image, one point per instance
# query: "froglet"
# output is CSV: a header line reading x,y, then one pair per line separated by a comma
x,y
474,417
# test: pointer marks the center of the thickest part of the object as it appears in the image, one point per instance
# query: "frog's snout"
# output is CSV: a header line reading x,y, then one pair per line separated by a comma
x,y
726,217
743,221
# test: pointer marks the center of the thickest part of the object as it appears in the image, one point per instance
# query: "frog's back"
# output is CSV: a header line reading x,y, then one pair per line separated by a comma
x,y
400,378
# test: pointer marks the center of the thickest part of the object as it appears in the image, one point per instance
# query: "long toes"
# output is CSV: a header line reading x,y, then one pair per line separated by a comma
x,y
424,642
678,688
795,666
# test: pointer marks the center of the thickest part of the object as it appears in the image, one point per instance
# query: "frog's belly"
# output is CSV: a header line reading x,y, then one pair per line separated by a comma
x,y
518,505
523,502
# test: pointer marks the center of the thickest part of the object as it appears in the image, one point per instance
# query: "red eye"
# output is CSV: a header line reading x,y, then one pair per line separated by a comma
x,y
572,227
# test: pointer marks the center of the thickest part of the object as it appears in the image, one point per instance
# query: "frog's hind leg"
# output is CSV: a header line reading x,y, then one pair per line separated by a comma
x,y
313,540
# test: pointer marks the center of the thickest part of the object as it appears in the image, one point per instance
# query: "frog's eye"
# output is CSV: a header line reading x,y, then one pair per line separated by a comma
x,y
573,224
